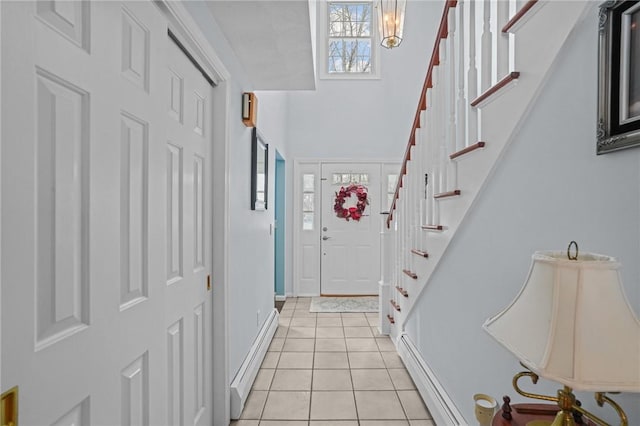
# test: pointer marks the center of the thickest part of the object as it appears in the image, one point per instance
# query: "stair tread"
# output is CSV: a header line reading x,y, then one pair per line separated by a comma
x,y
511,77
447,194
420,253
519,15
467,150
410,274
402,291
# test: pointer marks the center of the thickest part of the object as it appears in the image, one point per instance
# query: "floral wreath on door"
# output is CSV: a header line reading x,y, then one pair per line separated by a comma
x,y
353,212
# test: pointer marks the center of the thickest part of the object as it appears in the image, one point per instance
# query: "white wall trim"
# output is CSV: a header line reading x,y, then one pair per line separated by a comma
x,y
241,385
281,298
187,30
442,408
221,229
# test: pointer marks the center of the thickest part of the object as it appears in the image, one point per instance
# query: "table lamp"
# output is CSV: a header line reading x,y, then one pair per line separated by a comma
x,y
571,323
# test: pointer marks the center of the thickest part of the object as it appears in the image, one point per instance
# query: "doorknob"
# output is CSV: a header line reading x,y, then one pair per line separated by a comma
x,y
9,407
325,238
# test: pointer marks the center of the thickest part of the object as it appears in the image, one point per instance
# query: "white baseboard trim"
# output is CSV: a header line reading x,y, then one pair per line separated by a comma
x,y
241,384
281,298
440,405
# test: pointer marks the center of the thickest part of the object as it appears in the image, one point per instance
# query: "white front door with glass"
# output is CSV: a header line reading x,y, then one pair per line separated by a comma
x,y
349,234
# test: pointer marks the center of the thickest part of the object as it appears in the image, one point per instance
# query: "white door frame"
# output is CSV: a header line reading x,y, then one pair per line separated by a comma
x,y
298,164
187,31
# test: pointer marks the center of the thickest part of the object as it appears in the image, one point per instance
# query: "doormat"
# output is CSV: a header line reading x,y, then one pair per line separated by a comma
x,y
344,304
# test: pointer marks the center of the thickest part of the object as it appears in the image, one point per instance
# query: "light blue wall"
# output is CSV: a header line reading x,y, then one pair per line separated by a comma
x,y
548,189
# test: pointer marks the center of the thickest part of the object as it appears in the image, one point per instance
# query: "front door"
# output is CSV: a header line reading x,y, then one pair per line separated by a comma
x,y
106,243
350,232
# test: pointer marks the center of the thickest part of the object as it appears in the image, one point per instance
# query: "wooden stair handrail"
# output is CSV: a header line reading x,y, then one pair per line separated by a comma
x,y
443,30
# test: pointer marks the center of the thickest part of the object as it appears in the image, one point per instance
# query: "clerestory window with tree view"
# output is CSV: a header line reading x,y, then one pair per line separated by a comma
x,y
349,39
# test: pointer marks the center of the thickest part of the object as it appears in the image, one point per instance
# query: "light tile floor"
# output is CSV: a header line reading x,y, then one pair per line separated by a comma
x,y
332,369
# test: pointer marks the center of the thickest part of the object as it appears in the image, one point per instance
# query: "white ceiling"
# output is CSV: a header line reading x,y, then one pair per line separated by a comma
x,y
272,40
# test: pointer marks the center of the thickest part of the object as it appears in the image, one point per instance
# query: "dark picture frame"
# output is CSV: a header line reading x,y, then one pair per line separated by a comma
x,y
618,76
259,171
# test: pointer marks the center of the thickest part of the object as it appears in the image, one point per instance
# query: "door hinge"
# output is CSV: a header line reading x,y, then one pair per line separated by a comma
x,y
9,407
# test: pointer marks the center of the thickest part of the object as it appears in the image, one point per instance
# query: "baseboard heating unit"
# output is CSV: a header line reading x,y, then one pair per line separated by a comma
x,y
242,382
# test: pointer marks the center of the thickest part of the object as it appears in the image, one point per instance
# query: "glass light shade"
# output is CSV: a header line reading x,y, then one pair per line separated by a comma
x,y
571,323
391,22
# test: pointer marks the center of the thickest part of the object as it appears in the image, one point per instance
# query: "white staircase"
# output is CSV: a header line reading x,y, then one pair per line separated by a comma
x,y
489,62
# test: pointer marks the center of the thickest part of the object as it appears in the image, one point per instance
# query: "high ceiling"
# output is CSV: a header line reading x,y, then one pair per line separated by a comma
x,y
272,40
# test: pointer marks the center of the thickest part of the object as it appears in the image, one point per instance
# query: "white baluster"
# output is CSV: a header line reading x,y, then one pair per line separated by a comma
x,y
452,175
486,58
461,141
416,191
429,154
387,257
443,109
437,128
472,74
503,39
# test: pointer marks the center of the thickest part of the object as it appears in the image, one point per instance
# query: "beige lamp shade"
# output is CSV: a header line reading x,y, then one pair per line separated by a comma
x,y
572,323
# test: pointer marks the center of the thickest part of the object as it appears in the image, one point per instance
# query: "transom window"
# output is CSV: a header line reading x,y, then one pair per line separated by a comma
x,y
349,39
349,178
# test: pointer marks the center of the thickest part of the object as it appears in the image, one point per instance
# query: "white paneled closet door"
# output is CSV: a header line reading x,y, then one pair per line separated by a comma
x,y
106,241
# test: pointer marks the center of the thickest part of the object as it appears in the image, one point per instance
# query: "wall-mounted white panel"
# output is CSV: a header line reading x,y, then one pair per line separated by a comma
x,y
175,375
135,50
77,416
134,149
200,356
174,213
199,118
62,283
309,261
176,95
135,393
68,18
198,211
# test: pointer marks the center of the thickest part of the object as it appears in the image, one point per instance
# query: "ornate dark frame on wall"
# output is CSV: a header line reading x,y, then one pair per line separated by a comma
x,y
619,76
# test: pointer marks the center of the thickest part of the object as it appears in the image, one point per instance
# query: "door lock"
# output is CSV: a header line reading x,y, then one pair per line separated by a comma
x,y
325,238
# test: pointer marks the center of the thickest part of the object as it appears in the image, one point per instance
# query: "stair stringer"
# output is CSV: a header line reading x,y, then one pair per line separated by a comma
x,y
502,117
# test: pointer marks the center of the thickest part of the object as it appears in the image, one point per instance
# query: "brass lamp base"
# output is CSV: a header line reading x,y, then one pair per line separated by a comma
x,y
567,403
